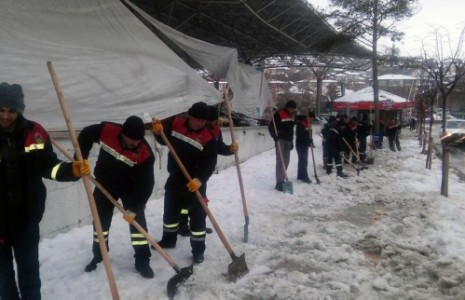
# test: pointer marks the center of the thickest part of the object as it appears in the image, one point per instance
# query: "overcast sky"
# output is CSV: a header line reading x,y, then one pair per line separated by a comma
x,y
445,13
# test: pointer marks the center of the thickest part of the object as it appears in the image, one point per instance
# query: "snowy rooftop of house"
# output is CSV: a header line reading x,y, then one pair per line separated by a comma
x,y
395,77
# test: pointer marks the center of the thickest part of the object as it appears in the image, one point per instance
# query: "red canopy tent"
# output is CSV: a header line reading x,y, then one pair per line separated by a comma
x,y
364,100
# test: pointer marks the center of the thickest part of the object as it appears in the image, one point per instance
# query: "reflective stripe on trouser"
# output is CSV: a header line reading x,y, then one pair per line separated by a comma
x,y
177,198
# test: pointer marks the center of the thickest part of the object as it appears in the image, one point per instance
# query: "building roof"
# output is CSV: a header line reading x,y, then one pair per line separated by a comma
x,y
395,77
257,29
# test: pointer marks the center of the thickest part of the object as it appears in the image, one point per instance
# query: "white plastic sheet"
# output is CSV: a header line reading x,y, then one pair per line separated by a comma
x,y
250,88
108,63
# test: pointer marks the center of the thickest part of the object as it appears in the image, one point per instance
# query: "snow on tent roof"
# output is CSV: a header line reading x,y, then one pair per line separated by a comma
x,y
366,95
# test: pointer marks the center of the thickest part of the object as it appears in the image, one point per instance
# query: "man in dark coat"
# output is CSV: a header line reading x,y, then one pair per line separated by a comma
x,y
303,140
223,149
26,156
363,131
125,168
333,139
282,132
196,147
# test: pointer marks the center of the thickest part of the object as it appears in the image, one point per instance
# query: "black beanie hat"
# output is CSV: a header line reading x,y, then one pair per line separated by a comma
x,y
291,103
212,113
199,110
12,97
134,128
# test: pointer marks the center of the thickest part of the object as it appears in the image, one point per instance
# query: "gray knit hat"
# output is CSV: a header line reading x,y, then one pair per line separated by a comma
x,y
11,96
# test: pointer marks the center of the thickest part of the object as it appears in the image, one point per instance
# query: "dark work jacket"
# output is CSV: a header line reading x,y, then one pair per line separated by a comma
x,y
349,133
222,148
197,150
127,172
333,137
284,126
363,129
26,156
302,132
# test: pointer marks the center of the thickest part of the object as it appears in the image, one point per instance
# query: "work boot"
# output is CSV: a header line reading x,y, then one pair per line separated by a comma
x,y
342,175
165,244
306,180
92,265
279,186
144,269
329,170
198,258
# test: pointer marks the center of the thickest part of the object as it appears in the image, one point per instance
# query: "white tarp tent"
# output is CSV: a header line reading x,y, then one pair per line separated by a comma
x,y
250,88
109,64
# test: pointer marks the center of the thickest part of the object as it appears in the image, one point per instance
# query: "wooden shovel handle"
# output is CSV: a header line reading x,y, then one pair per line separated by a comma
x,y
87,185
236,155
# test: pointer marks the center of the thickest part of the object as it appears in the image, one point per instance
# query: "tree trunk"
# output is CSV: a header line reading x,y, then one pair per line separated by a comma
x,y
375,65
445,170
319,88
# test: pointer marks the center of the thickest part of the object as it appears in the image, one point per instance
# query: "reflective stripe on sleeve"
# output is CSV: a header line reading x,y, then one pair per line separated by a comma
x,y
55,171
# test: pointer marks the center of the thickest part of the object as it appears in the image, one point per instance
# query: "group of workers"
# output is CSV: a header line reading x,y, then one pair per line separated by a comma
x,y
344,141
124,167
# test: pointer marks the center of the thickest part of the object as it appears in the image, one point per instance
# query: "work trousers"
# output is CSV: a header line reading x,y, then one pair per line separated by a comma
x,y
302,163
105,211
178,198
24,243
282,164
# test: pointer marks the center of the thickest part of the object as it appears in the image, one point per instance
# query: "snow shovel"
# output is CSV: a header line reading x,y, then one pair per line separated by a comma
x,y
287,185
310,132
87,185
352,165
182,274
238,168
238,267
355,154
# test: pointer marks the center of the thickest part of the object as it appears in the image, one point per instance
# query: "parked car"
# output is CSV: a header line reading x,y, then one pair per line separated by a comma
x,y
453,126
240,120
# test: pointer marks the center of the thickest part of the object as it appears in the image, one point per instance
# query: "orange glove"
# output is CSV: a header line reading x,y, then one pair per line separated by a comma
x,y
157,127
81,167
234,147
194,185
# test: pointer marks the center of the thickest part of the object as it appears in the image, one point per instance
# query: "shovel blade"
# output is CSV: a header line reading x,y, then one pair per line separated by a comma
x,y
177,279
237,268
288,188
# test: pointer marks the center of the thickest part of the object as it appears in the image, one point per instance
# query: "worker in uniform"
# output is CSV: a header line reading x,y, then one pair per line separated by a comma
x,y
223,149
303,140
124,168
282,132
26,156
333,139
196,147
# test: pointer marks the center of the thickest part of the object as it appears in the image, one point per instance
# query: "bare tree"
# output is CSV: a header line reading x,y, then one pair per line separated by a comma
x,y
444,62
368,21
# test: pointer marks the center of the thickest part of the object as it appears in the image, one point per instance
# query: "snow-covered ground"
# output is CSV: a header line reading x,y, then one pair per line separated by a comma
x,y
385,234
